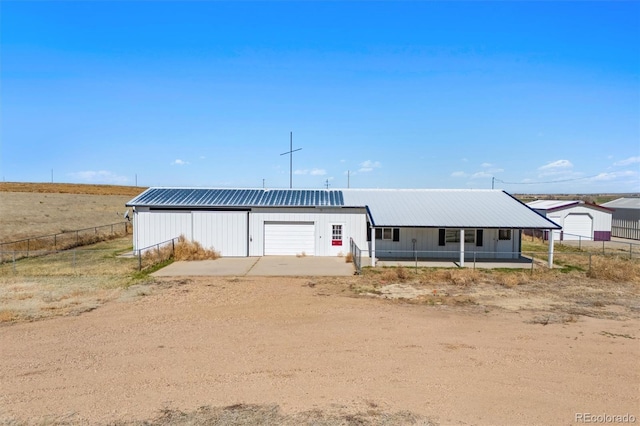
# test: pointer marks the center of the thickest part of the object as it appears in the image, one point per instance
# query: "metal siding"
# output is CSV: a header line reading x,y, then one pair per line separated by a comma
x,y
157,227
354,219
225,232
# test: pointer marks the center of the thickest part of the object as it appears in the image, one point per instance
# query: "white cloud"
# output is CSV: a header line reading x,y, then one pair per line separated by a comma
x,y
556,165
480,175
485,165
318,172
301,172
627,162
368,166
614,175
179,162
459,174
99,176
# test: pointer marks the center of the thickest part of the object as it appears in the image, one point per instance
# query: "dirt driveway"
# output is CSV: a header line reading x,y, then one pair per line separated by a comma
x,y
311,345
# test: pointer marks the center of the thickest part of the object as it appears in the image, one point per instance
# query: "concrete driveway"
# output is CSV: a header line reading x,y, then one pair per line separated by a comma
x,y
260,266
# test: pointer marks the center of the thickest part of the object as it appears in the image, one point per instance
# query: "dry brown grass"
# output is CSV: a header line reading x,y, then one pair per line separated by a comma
x,y
614,269
348,258
71,188
193,250
31,214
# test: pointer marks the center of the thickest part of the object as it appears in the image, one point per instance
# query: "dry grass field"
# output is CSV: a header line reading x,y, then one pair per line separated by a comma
x,y
31,210
87,339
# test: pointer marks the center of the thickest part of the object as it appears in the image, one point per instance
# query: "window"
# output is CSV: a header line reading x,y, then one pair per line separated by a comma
x,y
453,236
389,234
479,237
504,234
336,235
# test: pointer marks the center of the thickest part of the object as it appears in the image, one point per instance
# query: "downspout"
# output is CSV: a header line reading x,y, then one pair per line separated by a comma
x,y
550,248
462,248
373,246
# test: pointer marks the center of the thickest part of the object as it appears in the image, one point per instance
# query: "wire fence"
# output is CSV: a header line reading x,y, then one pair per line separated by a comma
x,y
587,243
156,253
356,254
579,260
47,244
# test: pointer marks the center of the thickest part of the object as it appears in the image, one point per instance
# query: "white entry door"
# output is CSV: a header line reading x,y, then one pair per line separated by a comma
x,y
289,239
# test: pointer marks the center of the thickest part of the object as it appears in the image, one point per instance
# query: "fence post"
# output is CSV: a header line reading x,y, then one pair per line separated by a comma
x,y
474,260
603,247
173,247
139,260
533,260
630,251
579,242
55,241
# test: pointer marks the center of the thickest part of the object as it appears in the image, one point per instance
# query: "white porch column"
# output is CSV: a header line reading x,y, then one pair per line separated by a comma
x,y
373,246
462,248
550,248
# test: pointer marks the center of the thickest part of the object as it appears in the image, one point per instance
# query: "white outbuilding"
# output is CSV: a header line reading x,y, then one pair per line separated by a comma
x,y
383,223
579,220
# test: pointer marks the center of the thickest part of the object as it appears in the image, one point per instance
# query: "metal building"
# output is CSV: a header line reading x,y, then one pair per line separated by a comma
x,y
384,223
625,222
579,220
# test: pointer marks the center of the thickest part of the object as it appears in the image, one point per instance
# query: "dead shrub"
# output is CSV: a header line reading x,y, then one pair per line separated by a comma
x,y
389,275
512,279
193,250
614,269
402,273
348,258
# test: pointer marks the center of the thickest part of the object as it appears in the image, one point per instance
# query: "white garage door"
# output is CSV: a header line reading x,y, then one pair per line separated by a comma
x,y
577,225
289,238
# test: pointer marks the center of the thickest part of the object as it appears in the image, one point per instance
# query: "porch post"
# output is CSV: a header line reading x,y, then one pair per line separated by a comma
x,y
462,248
550,248
373,246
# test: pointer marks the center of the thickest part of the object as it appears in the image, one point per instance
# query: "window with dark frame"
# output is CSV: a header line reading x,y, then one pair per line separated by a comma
x,y
504,234
453,236
388,234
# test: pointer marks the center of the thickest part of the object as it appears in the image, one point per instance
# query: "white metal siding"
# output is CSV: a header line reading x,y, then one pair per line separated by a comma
x,y
223,231
577,225
289,238
153,227
354,221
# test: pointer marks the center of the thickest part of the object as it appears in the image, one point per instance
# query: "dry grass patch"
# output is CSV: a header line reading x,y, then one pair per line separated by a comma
x,y
193,250
251,414
615,269
349,258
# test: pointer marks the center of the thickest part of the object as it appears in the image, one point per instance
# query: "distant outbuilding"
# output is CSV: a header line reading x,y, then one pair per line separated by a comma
x,y
579,220
625,222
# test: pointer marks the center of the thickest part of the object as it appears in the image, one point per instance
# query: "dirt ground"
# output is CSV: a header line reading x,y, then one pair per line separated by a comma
x,y
314,345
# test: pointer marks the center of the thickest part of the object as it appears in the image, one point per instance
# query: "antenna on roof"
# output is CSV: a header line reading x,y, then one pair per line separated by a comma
x,y
326,183
290,152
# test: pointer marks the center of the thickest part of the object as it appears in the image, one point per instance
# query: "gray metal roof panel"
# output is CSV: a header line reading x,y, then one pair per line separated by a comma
x,y
623,203
457,208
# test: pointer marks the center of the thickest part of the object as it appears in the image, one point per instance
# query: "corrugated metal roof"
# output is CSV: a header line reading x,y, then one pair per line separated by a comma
x,y
552,204
623,203
446,208
438,208
211,197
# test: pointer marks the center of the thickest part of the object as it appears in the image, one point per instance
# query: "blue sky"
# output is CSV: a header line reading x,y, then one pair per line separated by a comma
x,y
545,96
